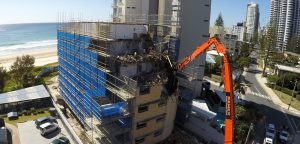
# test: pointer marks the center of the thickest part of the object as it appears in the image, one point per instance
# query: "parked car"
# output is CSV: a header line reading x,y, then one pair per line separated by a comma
x,y
268,140
48,128
271,131
283,136
43,120
61,140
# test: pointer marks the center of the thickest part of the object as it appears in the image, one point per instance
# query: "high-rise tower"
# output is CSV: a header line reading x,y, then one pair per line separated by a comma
x,y
284,17
252,19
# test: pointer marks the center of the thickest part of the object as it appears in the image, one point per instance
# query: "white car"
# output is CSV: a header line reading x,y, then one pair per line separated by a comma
x,y
271,131
283,136
268,140
48,127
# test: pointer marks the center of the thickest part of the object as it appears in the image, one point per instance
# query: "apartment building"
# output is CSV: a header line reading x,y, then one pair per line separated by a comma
x,y
116,82
285,18
115,77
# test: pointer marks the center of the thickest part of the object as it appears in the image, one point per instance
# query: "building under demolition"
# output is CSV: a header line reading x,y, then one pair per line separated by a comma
x,y
116,77
116,81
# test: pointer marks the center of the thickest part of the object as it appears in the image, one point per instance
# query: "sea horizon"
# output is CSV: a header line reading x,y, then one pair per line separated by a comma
x,y
26,37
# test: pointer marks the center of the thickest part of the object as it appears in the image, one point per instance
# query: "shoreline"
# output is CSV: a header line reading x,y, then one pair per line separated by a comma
x,y
42,57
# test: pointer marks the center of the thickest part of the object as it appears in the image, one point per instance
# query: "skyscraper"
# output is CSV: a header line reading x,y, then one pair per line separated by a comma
x,y
284,16
252,19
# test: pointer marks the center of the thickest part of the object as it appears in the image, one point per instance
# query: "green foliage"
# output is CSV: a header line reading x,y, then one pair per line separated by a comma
x,y
272,79
270,43
2,78
245,115
292,44
298,97
219,21
245,49
219,60
21,71
244,61
241,130
255,38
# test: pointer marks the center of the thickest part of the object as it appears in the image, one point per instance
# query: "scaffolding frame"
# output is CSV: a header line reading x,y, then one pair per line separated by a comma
x,y
122,87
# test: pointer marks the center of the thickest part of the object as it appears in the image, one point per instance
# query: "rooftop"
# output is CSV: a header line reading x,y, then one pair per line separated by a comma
x,y
201,107
31,93
288,68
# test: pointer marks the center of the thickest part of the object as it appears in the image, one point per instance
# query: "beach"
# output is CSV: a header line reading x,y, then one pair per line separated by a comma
x,y
42,57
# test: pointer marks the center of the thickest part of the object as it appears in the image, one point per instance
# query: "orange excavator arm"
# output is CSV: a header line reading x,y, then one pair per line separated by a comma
x,y
227,78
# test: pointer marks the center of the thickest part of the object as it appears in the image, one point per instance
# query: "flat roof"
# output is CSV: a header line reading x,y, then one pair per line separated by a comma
x,y
31,93
288,68
210,59
201,107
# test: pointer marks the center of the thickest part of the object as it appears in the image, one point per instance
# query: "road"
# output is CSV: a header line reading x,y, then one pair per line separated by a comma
x,y
271,112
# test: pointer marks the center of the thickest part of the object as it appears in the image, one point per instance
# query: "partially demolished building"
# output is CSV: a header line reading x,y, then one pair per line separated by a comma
x,y
116,76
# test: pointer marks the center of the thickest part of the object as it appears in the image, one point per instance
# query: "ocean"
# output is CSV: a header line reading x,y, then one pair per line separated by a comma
x,y
22,38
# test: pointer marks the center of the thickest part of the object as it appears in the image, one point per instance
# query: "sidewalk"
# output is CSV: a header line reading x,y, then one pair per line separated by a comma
x,y
276,100
14,133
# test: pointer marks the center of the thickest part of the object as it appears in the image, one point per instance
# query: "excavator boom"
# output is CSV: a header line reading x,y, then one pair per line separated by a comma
x,y
227,78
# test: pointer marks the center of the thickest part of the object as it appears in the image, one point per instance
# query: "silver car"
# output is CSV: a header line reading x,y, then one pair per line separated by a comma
x,y
48,127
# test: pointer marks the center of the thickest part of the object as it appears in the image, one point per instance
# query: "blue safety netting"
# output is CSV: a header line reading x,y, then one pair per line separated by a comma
x,y
80,79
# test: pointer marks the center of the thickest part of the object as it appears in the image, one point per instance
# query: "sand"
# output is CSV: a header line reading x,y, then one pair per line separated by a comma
x,y
42,57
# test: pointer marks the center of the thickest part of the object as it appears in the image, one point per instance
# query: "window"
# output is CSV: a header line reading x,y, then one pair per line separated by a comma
x,y
157,133
139,140
160,119
162,103
144,90
141,125
143,108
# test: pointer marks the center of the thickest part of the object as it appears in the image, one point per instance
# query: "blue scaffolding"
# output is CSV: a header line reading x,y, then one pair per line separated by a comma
x,y
81,80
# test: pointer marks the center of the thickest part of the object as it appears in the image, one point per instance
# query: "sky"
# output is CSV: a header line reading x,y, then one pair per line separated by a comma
x,y
34,11
234,11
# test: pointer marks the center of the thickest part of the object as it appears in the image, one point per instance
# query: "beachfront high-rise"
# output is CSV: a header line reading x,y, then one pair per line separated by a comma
x,y
252,20
285,18
116,76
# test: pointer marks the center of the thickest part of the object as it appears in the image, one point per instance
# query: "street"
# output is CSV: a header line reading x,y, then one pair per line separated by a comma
x,y
271,112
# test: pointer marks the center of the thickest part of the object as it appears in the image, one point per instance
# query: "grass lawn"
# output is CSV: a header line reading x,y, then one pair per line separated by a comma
x,y
24,118
285,98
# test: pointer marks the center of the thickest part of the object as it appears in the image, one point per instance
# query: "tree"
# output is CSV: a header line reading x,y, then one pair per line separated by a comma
x,y
255,38
245,49
219,21
244,61
292,44
270,42
21,71
2,78
262,44
272,79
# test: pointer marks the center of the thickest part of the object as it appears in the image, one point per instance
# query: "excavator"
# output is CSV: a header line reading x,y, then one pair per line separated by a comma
x,y
227,79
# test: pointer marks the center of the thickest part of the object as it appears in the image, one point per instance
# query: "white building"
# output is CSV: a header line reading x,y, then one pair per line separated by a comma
x,y
285,17
252,19
239,30
134,10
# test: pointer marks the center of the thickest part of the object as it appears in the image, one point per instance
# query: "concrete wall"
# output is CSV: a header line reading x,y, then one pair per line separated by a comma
x,y
136,9
170,117
121,31
128,70
155,111
195,16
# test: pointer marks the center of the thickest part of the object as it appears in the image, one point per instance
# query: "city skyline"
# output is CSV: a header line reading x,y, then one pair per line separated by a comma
x,y
48,11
